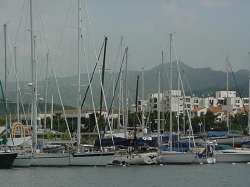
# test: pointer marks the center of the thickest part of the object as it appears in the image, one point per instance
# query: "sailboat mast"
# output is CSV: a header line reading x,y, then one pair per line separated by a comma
x,y
162,111
136,105
171,87
5,58
227,87
5,72
119,103
249,98
103,71
142,100
120,87
17,89
33,86
178,108
126,93
52,112
249,104
158,109
46,90
79,78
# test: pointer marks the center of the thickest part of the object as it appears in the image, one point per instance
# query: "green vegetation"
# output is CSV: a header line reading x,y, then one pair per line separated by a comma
x,y
50,136
2,121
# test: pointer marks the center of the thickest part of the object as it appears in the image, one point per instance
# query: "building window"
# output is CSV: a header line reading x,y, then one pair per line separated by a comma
x,y
155,100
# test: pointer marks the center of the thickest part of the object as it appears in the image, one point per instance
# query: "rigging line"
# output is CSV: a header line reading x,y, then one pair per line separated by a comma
x,y
236,85
26,48
116,58
188,112
88,33
60,97
182,86
61,34
20,93
105,102
117,81
20,22
178,61
93,105
164,75
92,75
106,106
43,31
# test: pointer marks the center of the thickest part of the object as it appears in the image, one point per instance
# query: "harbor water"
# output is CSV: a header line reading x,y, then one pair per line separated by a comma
x,y
133,176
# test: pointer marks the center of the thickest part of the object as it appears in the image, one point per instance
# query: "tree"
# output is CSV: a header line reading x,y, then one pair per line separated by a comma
x,y
66,136
50,136
2,121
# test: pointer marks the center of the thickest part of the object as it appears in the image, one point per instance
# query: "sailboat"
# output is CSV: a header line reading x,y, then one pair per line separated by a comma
x,y
192,155
226,153
135,155
39,158
171,156
20,138
7,157
81,157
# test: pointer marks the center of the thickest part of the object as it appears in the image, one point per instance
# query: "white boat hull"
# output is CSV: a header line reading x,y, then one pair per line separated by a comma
x,y
91,159
50,159
136,158
177,158
232,157
22,161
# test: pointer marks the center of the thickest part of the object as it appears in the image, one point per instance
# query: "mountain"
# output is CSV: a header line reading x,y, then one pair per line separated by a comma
x,y
197,81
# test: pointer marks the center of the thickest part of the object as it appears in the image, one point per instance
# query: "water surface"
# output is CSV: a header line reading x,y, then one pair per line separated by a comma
x,y
136,176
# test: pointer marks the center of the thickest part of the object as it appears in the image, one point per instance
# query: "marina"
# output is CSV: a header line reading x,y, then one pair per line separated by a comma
x,y
119,93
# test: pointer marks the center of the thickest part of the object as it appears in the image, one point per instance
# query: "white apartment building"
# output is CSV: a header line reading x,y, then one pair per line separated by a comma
x,y
176,103
179,104
225,94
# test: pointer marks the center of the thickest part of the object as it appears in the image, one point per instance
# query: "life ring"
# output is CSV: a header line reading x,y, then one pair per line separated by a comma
x,y
18,127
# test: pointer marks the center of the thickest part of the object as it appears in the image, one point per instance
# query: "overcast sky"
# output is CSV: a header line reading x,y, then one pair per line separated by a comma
x,y
206,31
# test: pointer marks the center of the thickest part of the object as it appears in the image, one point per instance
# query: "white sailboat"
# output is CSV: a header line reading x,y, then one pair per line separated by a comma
x,y
39,158
174,157
80,157
226,153
178,157
135,155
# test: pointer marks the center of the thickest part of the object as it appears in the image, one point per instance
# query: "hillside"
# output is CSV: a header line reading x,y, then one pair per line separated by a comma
x,y
197,81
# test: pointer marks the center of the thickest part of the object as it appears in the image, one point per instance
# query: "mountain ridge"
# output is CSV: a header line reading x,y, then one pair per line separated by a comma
x,y
197,81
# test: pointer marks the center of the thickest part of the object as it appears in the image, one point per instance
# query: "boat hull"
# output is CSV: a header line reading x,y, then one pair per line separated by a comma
x,y
177,158
232,157
135,158
22,161
50,159
91,159
7,159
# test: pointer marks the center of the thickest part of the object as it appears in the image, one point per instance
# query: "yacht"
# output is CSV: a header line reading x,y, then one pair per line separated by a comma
x,y
228,154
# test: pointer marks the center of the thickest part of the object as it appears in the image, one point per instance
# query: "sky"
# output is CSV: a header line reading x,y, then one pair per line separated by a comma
x,y
205,32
